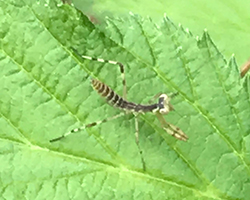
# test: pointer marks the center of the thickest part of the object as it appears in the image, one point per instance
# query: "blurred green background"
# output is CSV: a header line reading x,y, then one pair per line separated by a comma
x,y
227,21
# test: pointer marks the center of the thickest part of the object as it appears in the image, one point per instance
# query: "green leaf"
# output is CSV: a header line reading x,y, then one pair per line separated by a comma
x,y
228,32
45,92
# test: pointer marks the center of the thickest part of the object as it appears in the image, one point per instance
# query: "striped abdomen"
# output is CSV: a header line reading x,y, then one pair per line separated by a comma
x,y
117,101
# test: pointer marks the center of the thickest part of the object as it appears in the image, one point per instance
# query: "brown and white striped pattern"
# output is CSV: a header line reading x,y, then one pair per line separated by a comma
x,y
113,63
117,101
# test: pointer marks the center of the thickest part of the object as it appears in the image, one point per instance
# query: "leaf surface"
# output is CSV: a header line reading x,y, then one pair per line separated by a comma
x,y
45,91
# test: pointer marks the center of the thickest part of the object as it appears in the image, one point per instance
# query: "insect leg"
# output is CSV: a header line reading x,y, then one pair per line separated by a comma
x,y
137,141
171,129
110,62
75,130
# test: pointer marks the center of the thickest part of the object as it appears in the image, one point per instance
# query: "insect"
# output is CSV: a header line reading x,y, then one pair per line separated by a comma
x,y
162,107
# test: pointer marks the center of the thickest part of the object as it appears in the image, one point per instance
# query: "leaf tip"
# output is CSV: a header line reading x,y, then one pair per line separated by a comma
x,y
132,14
178,49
